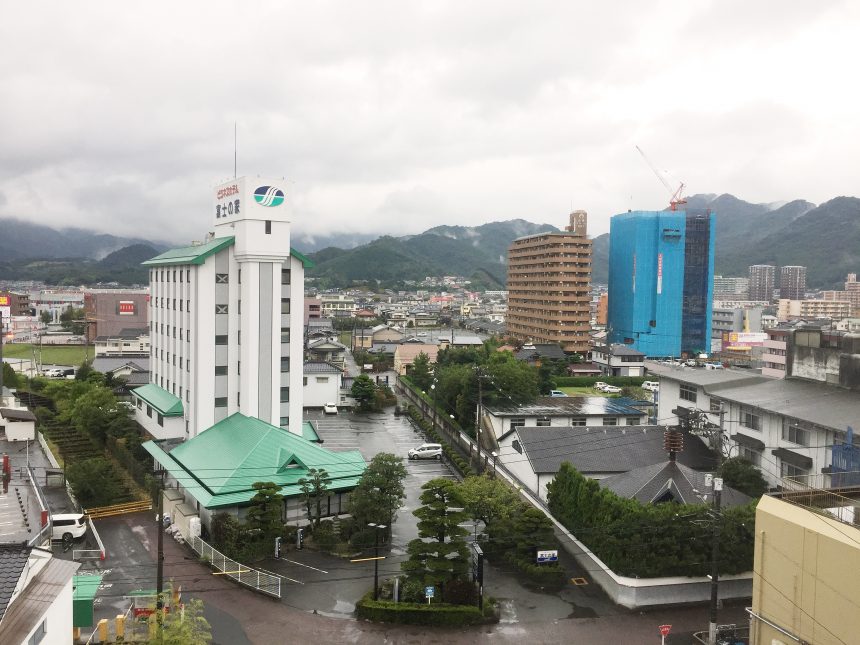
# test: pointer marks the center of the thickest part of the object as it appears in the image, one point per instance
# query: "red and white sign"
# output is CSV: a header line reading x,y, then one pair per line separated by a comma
x,y
659,273
634,273
126,308
665,629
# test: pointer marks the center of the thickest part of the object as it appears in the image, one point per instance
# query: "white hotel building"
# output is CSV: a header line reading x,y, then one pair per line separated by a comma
x,y
226,319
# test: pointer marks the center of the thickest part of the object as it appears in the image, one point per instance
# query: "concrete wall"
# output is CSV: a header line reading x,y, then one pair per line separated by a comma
x,y
19,430
321,389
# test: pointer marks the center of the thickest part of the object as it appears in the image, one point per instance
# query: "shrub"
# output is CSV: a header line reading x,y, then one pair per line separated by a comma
x,y
419,613
325,536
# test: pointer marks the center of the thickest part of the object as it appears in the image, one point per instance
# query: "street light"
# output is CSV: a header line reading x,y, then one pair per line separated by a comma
x,y
495,454
376,526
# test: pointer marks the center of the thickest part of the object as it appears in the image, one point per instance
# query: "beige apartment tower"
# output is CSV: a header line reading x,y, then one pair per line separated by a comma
x,y
549,287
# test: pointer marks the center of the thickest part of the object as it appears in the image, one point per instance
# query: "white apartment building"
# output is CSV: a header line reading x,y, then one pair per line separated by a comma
x,y
225,336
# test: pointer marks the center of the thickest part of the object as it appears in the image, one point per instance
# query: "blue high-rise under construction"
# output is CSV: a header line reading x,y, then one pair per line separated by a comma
x,y
661,276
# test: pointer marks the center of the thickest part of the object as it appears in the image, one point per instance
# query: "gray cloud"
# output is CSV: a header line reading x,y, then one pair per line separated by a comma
x,y
395,116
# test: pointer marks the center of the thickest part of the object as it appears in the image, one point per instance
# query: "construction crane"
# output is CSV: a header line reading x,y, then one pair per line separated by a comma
x,y
676,195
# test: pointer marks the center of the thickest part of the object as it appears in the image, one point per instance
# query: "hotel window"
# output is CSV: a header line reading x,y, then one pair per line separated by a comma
x,y
220,370
161,420
221,278
221,402
285,365
285,421
285,334
688,393
304,380
285,395
268,227
752,456
221,339
285,305
285,276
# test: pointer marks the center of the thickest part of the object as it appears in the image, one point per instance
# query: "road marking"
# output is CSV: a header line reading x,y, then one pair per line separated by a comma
x,y
579,581
303,565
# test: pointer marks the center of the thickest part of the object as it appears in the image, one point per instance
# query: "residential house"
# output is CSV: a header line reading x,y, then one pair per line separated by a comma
x,y
534,454
618,360
326,350
536,353
406,353
128,341
322,384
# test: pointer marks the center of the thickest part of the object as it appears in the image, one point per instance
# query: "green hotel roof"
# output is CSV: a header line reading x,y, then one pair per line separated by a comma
x,y
197,254
309,432
160,399
219,466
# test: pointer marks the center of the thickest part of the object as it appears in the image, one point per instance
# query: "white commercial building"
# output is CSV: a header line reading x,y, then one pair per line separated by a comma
x,y
225,336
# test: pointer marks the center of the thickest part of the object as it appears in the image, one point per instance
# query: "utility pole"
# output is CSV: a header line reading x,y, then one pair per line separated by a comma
x,y
478,419
159,580
715,568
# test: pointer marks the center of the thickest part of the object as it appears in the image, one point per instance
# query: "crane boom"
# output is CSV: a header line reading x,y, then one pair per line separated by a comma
x,y
676,195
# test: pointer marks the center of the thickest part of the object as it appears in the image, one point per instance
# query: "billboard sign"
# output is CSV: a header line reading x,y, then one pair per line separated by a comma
x,y
743,341
659,273
125,308
4,301
244,196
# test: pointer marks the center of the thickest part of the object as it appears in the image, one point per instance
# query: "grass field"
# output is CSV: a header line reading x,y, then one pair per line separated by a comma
x,y
582,391
51,354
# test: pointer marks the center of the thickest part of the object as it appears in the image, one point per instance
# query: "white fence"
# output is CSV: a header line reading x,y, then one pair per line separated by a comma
x,y
266,583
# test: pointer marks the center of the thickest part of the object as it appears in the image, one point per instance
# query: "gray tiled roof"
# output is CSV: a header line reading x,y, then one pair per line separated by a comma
x,y
540,351
17,414
321,367
649,483
548,406
106,364
605,449
618,350
13,557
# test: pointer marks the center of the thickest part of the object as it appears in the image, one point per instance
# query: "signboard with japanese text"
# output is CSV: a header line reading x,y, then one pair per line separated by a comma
x,y
547,556
250,198
125,308
659,273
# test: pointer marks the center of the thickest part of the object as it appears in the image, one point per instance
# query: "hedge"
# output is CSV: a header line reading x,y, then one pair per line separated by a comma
x,y
547,575
453,456
387,611
586,381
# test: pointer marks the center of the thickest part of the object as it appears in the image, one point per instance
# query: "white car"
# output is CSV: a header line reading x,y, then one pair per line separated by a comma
x,y
651,386
330,408
600,385
426,451
68,526
611,389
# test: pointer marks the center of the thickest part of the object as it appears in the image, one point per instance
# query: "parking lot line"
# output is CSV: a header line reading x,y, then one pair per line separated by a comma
x,y
302,565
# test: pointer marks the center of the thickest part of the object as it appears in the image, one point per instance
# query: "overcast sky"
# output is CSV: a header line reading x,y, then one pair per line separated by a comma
x,y
397,116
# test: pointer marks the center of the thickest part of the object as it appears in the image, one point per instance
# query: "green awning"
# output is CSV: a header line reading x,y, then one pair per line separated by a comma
x,y
160,399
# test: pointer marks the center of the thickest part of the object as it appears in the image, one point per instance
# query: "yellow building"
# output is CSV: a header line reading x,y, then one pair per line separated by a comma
x,y
806,587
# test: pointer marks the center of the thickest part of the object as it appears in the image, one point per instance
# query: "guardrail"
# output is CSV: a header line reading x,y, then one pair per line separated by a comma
x,y
261,581
118,509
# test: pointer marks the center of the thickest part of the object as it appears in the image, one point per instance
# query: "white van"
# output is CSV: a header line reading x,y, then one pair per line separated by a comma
x,y
67,526
651,386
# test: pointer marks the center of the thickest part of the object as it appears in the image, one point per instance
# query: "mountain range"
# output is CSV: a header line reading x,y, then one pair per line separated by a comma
x,y
824,238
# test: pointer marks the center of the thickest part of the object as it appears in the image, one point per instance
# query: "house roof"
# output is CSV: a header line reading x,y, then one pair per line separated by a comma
x,y
159,398
321,367
105,364
13,559
228,458
325,343
564,406
618,350
605,449
17,414
30,605
197,254
540,350
410,351
650,483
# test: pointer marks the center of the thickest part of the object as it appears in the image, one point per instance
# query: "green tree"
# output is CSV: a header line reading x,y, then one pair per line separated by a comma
x,y
487,499
72,320
225,530
440,552
10,376
743,476
94,482
95,410
264,513
363,391
533,531
379,492
185,627
314,489
420,371
46,317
